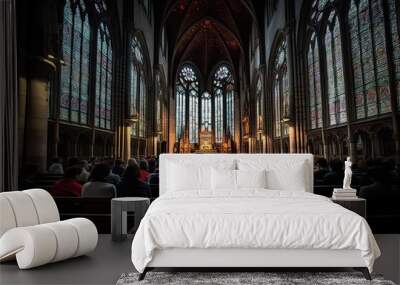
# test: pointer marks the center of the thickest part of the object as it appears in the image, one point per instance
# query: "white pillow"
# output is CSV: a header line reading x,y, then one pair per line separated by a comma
x,y
223,179
183,177
187,175
251,178
281,174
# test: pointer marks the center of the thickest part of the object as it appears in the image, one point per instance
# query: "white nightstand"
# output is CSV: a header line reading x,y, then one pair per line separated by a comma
x,y
357,205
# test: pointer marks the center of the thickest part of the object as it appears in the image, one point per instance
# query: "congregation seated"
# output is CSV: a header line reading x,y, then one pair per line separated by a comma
x,y
56,167
154,183
381,185
26,179
152,164
73,161
98,185
143,172
84,176
69,186
335,175
111,178
118,167
321,168
130,185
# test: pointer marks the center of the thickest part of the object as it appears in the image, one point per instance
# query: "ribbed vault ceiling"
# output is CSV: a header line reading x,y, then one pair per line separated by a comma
x,y
206,32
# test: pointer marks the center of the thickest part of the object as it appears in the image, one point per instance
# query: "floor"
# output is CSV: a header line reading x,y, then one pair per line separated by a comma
x,y
104,266
110,260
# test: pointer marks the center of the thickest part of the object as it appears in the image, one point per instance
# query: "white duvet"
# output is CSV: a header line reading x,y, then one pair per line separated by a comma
x,y
250,219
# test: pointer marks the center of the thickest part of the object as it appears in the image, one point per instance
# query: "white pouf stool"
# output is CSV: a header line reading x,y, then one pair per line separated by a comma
x,y
31,231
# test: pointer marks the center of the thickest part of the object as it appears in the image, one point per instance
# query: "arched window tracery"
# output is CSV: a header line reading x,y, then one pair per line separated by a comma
x,y
280,91
103,78
198,110
74,81
369,61
187,94
314,84
78,30
138,88
223,86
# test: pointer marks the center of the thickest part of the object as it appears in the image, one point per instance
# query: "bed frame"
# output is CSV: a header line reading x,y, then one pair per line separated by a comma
x,y
233,259
245,259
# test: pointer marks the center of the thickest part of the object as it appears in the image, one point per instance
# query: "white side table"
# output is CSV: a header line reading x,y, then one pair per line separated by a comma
x,y
119,209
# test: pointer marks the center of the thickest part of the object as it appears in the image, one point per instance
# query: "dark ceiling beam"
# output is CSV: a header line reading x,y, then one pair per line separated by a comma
x,y
176,61
212,19
183,22
226,49
174,65
169,7
228,7
250,8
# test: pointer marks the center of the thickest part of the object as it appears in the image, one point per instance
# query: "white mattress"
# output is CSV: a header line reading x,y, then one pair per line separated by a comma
x,y
251,219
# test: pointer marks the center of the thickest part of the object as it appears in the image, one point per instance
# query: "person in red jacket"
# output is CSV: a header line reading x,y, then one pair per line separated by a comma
x,y
144,171
69,185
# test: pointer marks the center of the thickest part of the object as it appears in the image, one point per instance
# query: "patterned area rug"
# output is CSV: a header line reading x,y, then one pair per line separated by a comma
x,y
268,278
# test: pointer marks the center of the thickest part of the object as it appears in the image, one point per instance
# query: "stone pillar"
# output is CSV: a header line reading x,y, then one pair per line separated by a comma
x,y
37,123
292,138
22,88
171,120
291,69
55,140
352,149
92,143
75,144
126,140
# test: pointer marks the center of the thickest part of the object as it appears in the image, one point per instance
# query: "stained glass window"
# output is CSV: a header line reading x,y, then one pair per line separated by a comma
x,y
103,98
277,108
223,91
281,91
334,59
158,93
230,111
370,65
133,91
180,121
394,18
138,89
219,115
74,81
187,98
193,116
380,51
314,84
142,109
206,112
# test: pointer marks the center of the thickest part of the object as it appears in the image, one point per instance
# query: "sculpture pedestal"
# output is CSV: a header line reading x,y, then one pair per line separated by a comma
x,y
340,193
344,190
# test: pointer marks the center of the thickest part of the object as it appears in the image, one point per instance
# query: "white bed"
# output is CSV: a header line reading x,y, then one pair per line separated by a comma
x,y
280,225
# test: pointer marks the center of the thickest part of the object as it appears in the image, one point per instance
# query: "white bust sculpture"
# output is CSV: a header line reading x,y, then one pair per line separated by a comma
x,y
347,174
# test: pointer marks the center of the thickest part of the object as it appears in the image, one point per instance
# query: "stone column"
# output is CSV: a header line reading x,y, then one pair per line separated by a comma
x,y
292,138
291,69
36,127
92,143
171,120
75,144
353,148
22,93
55,140
127,139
